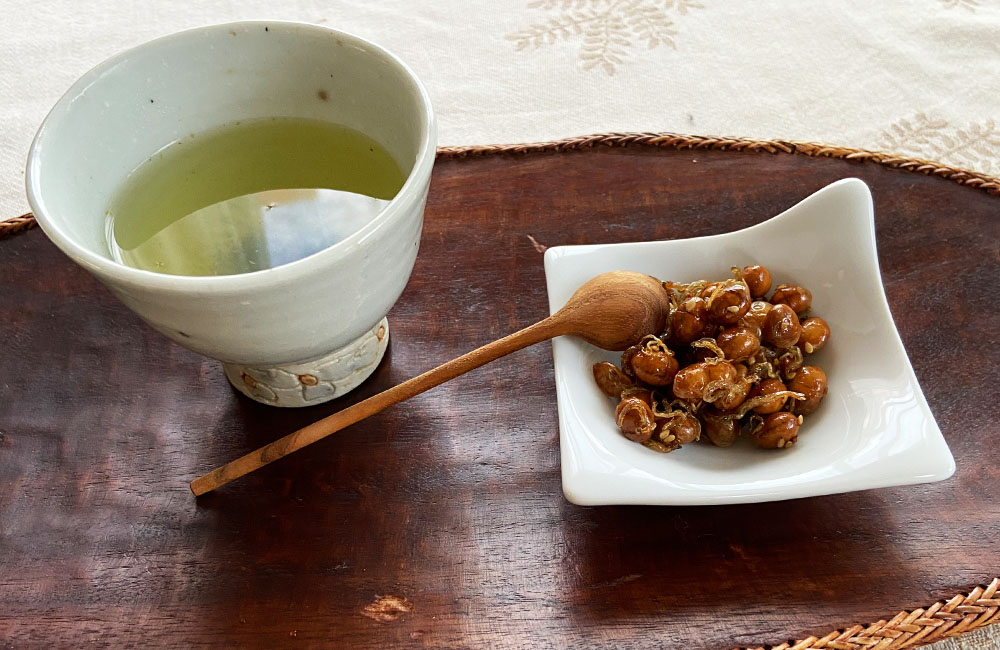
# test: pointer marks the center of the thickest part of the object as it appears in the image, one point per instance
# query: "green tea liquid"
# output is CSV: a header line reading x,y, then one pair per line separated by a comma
x,y
157,222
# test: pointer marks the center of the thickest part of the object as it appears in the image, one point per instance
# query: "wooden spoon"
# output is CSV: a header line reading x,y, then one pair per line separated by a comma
x,y
612,311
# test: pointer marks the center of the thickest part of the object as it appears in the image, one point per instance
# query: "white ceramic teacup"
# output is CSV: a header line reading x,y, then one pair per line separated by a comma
x,y
292,335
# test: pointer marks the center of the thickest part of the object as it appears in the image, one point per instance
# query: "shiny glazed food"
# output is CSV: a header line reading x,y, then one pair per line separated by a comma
x,y
731,363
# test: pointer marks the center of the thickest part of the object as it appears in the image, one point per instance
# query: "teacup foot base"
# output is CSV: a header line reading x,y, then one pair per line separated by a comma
x,y
313,382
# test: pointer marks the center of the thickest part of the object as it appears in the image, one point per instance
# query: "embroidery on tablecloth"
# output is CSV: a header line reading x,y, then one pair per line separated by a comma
x,y
607,29
973,146
964,4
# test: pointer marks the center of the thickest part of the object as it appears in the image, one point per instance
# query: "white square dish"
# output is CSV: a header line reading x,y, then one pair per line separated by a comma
x,y
874,428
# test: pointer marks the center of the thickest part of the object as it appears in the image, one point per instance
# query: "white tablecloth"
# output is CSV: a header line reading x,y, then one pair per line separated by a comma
x,y
914,77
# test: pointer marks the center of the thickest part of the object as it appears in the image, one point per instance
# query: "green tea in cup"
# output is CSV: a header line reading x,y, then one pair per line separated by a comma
x,y
248,196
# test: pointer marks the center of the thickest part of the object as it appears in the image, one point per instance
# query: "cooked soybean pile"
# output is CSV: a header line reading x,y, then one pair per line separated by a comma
x,y
730,362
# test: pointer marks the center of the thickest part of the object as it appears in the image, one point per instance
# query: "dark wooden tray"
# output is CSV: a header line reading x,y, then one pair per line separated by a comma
x,y
441,521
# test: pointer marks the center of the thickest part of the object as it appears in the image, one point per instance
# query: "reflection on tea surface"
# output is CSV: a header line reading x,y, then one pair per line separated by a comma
x,y
226,201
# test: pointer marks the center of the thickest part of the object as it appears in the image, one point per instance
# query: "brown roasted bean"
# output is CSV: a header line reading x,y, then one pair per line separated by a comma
x,y
721,429
735,365
811,382
709,289
689,321
627,355
690,382
721,380
781,327
728,304
778,431
736,391
755,316
767,387
654,363
610,379
796,297
635,419
738,343
815,334
758,280
688,430
677,431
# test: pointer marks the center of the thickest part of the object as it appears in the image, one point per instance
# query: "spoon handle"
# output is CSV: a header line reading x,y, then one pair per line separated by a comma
x,y
320,429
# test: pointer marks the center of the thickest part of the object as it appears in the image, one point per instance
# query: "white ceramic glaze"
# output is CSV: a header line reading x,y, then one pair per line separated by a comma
x,y
316,381
128,107
873,429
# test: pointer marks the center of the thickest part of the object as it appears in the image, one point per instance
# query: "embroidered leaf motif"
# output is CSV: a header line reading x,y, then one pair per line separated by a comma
x,y
651,24
682,6
973,146
607,29
604,43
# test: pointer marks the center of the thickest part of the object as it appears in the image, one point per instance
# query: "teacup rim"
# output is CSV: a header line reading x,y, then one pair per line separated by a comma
x,y
123,275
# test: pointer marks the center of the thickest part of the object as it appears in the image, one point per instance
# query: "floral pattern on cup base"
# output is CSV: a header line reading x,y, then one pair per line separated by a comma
x,y
313,382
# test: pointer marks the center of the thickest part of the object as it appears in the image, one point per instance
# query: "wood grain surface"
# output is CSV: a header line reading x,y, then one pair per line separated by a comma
x,y
440,522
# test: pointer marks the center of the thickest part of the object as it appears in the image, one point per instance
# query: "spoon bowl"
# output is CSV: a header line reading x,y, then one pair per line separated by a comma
x,y
616,309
